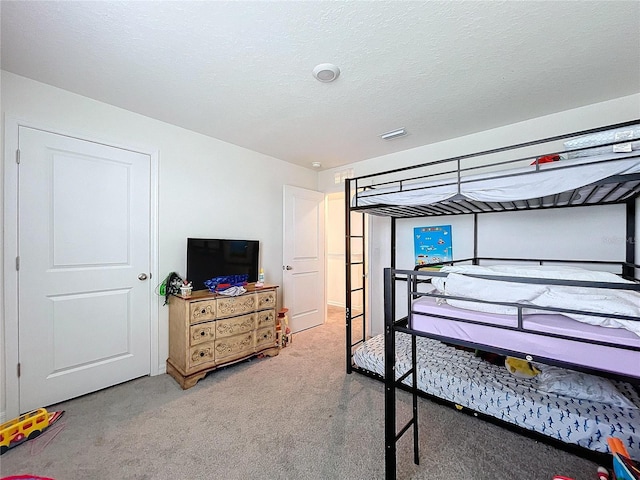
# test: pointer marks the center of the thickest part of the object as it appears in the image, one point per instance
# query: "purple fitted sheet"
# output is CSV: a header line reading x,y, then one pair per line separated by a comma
x,y
577,352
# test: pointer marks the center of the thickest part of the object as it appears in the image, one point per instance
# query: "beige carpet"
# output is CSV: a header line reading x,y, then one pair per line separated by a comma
x,y
294,416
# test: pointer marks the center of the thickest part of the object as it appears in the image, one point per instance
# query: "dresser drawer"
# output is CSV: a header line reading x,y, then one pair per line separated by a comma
x,y
230,348
201,311
266,318
265,337
201,354
209,330
203,332
235,325
229,306
266,300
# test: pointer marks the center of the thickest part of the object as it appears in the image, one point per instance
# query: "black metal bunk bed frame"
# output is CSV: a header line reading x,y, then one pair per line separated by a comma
x,y
608,194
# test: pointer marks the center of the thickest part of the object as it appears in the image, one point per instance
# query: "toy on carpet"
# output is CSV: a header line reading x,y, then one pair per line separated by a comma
x,y
25,427
624,467
282,328
603,474
25,477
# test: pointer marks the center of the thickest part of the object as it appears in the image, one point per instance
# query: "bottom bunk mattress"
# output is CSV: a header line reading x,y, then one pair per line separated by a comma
x,y
605,408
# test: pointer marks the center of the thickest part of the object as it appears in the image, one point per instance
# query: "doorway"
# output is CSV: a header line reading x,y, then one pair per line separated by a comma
x,y
304,257
336,254
80,217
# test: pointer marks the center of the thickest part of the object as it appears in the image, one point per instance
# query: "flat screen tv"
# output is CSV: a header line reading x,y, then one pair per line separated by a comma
x,y
208,258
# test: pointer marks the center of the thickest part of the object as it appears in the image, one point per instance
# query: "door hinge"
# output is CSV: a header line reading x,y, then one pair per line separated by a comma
x,y
18,370
18,156
18,262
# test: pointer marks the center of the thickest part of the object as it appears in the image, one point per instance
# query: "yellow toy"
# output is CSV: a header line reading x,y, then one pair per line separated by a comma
x,y
520,368
25,427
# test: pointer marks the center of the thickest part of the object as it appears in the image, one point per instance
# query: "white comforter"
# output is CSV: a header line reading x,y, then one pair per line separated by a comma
x,y
587,299
552,178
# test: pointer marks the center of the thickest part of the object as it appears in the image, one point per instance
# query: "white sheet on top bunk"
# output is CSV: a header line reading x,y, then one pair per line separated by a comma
x,y
596,300
549,180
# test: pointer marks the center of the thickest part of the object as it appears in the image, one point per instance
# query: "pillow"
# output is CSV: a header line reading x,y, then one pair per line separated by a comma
x,y
607,136
570,383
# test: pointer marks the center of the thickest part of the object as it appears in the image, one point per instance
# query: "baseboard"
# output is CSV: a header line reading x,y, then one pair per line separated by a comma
x,y
342,305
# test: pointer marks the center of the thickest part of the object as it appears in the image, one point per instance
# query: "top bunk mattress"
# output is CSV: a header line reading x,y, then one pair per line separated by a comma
x,y
534,181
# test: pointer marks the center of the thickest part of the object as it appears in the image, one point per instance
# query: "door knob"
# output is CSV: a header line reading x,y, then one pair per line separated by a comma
x,y
142,276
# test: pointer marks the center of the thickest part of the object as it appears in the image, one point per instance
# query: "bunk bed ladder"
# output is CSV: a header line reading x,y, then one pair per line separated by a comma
x,y
391,383
413,422
355,281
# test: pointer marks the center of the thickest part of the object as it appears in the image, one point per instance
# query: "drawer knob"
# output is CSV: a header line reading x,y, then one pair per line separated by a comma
x,y
202,333
203,311
202,354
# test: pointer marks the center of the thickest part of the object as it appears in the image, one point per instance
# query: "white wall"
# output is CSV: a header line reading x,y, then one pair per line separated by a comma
x,y
578,233
585,233
591,116
229,191
202,170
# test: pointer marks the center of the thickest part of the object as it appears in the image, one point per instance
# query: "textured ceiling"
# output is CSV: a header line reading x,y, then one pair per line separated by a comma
x,y
241,71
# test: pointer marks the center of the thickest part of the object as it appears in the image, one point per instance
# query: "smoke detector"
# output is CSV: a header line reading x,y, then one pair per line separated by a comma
x,y
326,72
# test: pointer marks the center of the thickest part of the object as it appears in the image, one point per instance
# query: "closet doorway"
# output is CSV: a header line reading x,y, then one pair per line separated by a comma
x,y
83,292
336,251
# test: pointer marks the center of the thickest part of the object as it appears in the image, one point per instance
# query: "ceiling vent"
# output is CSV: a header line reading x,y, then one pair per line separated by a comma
x,y
400,132
326,72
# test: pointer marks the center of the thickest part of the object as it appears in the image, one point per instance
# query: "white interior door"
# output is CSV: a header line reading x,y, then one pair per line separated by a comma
x,y
303,269
84,249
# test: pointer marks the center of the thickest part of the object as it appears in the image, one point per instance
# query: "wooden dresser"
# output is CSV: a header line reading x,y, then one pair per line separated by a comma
x,y
208,330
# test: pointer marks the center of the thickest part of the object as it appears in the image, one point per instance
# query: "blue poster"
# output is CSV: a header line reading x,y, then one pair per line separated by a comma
x,y
432,244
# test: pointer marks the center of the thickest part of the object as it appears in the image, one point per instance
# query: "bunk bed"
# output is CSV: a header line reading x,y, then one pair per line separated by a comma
x,y
517,308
